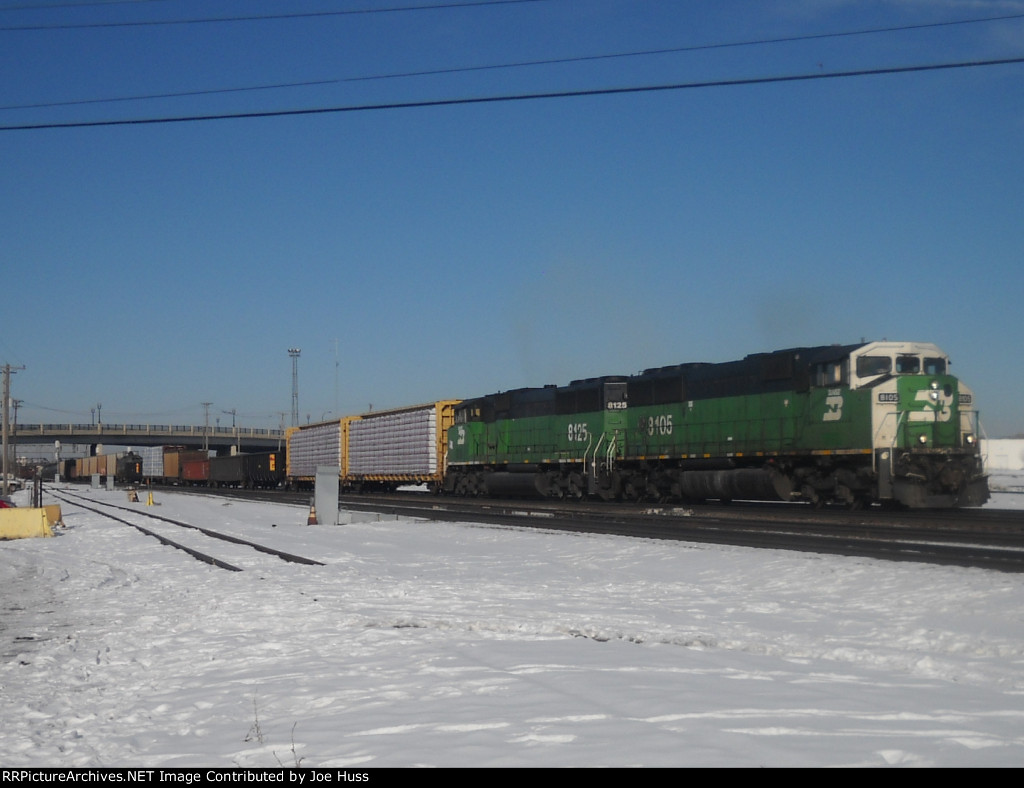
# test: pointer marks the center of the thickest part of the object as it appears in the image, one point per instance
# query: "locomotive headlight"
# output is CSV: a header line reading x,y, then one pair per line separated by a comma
x,y
934,385
922,439
934,396
969,439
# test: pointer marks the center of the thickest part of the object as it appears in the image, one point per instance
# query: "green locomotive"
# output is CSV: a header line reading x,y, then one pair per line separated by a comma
x,y
853,424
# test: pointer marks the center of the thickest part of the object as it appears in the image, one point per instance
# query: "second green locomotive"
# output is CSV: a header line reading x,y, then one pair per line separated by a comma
x,y
854,424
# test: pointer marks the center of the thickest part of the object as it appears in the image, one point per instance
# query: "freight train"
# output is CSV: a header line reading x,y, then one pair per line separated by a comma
x,y
854,424
125,467
191,467
176,465
872,422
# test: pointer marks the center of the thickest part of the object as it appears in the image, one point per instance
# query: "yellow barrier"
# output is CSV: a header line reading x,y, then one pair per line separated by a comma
x,y
53,514
25,523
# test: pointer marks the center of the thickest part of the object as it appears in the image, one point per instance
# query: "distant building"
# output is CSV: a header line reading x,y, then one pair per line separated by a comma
x,y
1004,454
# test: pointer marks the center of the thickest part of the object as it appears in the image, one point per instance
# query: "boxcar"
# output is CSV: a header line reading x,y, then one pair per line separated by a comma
x,y
195,470
175,459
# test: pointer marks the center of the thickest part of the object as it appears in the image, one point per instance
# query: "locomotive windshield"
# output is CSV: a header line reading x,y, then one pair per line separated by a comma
x,y
905,364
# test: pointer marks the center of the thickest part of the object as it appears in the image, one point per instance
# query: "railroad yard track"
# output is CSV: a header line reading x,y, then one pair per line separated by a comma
x,y
991,542
981,538
197,541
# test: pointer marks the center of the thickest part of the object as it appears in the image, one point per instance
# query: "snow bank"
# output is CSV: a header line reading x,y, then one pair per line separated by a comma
x,y
434,644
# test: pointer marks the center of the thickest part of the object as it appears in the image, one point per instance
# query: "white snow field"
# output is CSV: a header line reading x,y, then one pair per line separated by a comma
x,y
439,644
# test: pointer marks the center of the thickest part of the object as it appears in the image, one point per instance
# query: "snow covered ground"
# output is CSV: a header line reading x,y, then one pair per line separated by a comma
x,y
458,645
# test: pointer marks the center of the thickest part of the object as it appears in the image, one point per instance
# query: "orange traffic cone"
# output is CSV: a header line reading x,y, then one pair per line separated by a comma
x,y
311,520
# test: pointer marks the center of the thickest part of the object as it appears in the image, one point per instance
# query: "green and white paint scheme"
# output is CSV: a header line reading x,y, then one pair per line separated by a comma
x,y
874,422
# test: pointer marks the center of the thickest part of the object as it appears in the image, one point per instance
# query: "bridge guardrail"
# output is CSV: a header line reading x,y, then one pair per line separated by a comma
x,y
120,430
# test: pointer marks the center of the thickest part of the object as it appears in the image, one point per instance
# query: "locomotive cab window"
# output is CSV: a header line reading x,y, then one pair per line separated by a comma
x,y
935,366
908,365
869,366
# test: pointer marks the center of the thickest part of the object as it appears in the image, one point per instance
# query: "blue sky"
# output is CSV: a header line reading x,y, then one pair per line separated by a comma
x,y
421,253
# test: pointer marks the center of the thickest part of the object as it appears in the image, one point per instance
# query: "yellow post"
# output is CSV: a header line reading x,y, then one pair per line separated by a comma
x,y
149,500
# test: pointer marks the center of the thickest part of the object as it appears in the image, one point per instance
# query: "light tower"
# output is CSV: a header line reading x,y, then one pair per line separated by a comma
x,y
294,353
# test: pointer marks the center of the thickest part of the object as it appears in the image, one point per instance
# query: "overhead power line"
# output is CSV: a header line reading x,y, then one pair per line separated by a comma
x,y
264,17
519,64
81,4
520,97
177,94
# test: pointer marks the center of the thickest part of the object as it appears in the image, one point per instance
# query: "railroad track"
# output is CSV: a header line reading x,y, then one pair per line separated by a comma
x,y
981,538
157,527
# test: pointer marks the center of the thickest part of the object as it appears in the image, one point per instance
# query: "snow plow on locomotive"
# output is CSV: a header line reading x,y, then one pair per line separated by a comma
x,y
853,424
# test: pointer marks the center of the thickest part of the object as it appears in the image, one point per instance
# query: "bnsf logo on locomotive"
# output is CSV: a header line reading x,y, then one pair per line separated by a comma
x,y
833,405
938,406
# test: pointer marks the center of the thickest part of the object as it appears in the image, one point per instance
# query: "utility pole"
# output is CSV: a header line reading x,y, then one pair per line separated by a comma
x,y
238,439
335,375
281,414
8,369
206,426
294,353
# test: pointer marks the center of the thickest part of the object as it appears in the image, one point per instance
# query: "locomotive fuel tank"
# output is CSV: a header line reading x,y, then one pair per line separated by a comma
x,y
742,484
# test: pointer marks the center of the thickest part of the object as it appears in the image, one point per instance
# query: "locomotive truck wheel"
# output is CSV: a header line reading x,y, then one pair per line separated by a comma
x,y
810,495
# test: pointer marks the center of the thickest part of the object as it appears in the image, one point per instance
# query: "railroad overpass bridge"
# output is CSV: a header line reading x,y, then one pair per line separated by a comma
x,y
219,438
